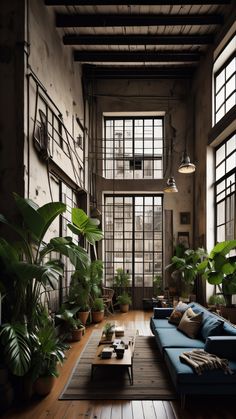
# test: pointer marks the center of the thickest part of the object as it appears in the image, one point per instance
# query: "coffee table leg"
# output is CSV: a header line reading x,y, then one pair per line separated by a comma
x,y
130,373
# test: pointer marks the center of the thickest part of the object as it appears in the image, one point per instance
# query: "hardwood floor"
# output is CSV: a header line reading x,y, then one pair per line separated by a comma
x,y
51,407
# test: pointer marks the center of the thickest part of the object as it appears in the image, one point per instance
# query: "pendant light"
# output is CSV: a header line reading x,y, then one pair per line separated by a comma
x,y
186,166
171,185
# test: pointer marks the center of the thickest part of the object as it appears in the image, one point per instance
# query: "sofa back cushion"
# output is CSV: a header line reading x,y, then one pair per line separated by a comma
x,y
222,346
211,326
190,323
178,312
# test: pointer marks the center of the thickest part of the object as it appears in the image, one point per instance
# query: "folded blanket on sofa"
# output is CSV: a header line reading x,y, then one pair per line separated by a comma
x,y
200,361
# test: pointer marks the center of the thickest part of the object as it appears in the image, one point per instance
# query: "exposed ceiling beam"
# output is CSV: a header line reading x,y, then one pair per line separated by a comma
x,y
129,2
72,39
139,72
104,20
127,56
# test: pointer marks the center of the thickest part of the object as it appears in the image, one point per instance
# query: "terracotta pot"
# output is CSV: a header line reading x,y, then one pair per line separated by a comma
x,y
43,385
97,316
124,308
83,316
76,334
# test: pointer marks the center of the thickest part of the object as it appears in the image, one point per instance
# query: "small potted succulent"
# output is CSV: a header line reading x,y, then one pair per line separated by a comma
x,y
97,310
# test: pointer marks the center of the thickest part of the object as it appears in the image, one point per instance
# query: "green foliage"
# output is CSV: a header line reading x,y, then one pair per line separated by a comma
x,y
82,225
188,264
69,321
124,298
16,344
121,279
220,269
98,304
157,285
108,328
216,300
48,351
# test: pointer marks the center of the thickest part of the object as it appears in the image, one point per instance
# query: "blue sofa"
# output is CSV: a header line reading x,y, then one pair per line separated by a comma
x,y
172,342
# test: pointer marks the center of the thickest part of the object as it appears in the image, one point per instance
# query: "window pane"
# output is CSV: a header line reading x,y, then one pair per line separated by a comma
x,y
230,86
220,97
231,68
220,154
230,102
220,79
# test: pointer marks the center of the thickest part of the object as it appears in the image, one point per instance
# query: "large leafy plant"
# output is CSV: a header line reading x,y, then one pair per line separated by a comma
x,y
27,269
219,268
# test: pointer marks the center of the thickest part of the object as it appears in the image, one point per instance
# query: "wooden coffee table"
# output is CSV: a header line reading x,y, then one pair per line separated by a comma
x,y
126,361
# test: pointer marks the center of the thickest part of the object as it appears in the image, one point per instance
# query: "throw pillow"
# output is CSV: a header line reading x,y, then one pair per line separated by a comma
x,y
190,323
211,327
177,313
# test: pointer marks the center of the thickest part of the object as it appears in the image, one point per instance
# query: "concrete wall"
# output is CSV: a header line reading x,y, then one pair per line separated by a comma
x,y
11,102
170,96
50,66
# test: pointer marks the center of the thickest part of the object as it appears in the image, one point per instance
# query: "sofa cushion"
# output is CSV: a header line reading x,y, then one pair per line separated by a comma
x,y
190,323
211,326
222,346
162,323
229,329
173,338
162,312
182,373
178,312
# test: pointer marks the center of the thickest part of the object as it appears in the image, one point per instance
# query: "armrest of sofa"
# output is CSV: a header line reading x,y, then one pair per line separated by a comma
x,y
162,312
222,346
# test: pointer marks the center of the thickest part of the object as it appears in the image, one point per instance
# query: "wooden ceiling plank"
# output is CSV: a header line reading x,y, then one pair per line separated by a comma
x,y
137,72
129,2
147,56
77,39
104,20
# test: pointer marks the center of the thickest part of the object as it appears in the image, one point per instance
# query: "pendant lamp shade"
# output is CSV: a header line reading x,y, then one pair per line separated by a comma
x,y
171,185
186,166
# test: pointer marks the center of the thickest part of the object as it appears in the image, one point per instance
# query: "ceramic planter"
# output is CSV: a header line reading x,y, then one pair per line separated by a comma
x,y
124,308
97,316
76,334
83,316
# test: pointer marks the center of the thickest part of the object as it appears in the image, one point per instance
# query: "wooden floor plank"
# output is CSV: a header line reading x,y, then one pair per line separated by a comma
x,y
148,409
127,411
137,409
50,407
159,409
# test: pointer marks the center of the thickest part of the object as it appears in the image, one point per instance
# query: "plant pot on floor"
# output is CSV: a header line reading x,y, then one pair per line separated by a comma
x,y
124,308
83,316
97,316
44,385
76,334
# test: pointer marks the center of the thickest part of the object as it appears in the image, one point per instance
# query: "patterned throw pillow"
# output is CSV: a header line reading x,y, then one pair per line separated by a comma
x,y
190,323
177,313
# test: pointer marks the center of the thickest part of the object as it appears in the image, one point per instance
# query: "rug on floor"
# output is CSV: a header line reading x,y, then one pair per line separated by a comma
x,y
151,379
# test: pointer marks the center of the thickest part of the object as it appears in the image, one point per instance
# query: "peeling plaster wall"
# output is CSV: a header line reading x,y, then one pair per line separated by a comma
x,y
60,77
170,96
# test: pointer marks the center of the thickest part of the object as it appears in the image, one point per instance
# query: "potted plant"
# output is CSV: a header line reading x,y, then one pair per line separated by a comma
x,y
98,310
124,300
108,330
157,286
184,267
73,328
219,268
121,279
48,352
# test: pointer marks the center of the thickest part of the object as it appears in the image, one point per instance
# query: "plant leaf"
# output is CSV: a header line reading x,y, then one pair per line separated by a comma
x,y
14,338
